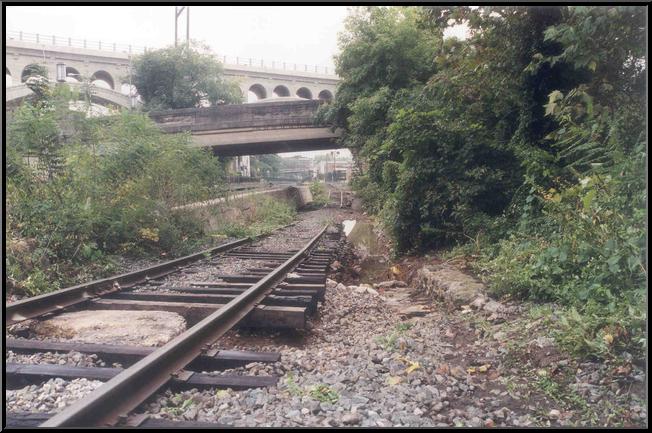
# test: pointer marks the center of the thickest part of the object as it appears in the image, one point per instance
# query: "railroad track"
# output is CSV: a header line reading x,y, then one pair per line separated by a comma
x,y
278,290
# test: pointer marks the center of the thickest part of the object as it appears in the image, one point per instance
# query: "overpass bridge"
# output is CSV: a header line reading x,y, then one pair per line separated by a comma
x,y
111,64
275,126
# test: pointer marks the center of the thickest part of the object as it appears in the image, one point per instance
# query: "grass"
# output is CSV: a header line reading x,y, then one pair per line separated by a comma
x,y
252,216
181,405
320,392
324,394
388,342
293,388
318,191
566,397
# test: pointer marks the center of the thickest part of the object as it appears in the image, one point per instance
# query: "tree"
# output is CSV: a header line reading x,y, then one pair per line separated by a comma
x,y
182,77
266,165
34,70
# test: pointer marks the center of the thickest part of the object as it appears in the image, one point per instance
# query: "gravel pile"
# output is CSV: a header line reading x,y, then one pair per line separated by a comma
x,y
51,396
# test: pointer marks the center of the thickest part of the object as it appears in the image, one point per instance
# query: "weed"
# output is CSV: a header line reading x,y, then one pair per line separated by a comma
x,y
405,326
324,393
293,388
318,191
388,342
564,396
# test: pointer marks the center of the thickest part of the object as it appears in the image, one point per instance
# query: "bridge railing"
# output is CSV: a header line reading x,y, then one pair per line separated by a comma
x,y
277,65
64,41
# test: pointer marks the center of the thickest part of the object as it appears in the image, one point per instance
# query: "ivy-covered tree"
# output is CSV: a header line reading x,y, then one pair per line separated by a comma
x,y
182,77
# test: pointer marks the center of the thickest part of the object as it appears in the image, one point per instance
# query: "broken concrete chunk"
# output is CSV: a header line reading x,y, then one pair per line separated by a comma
x,y
390,283
372,292
335,265
479,302
413,311
493,306
449,284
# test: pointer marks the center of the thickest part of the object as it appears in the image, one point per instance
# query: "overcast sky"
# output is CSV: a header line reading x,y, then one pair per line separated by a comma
x,y
295,34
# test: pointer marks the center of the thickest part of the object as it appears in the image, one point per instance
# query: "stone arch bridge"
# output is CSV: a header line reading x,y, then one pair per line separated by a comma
x,y
111,65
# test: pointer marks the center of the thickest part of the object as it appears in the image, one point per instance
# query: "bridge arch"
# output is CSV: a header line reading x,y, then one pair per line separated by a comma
x,y
102,79
258,90
281,90
325,95
8,77
30,70
72,75
304,92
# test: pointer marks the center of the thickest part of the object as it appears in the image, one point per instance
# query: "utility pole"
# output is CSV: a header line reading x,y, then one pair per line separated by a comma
x,y
177,12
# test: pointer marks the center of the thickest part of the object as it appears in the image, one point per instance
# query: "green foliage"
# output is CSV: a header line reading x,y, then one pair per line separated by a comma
x,y
265,166
256,215
292,386
318,191
181,77
528,138
100,186
388,342
34,70
324,393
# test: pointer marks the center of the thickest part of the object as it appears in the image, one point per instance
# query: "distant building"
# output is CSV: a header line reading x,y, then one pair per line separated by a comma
x,y
338,170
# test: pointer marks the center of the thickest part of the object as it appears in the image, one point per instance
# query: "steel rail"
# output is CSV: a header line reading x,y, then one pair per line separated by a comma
x,y
111,402
36,306
51,302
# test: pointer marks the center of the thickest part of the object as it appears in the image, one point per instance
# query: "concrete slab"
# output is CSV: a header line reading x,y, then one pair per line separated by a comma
x,y
143,328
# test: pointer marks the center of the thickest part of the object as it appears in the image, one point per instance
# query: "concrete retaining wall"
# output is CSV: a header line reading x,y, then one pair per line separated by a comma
x,y
215,212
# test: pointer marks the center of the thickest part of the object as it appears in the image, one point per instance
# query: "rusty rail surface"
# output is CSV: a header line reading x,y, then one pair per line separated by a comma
x,y
111,402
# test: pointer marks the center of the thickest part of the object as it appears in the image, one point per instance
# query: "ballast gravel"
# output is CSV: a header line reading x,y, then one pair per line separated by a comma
x,y
50,397
75,359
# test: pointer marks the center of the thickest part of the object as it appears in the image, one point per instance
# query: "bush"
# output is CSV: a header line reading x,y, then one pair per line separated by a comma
x,y
100,186
318,191
527,138
585,251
